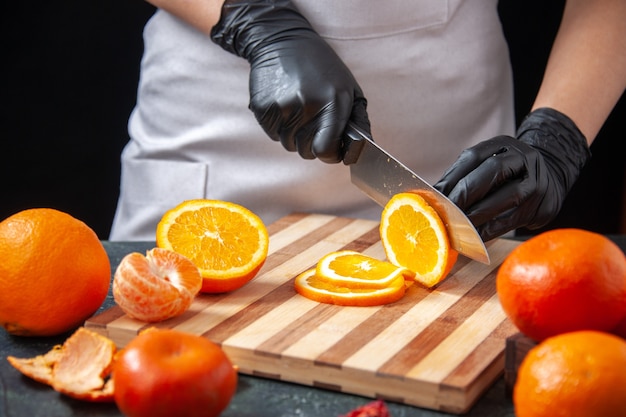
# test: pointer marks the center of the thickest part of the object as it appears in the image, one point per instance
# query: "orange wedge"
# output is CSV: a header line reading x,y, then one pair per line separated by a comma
x,y
310,285
355,270
226,241
414,236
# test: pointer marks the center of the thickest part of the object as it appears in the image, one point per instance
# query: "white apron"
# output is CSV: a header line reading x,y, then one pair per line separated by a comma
x,y
436,75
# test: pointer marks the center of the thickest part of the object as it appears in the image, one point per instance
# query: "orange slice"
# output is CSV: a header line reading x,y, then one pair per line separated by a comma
x,y
157,286
414,236
310,285
80,368
355,270
226,241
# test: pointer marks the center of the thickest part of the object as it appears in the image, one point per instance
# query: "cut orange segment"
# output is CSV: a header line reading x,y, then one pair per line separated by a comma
x,y
226,241
310,285
80,368
414,236
155,287
355,270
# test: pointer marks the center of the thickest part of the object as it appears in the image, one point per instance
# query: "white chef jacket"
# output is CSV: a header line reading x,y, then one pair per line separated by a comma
x,y
436,75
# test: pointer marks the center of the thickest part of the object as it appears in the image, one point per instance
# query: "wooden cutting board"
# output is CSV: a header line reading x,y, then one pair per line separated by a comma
x,y
439,348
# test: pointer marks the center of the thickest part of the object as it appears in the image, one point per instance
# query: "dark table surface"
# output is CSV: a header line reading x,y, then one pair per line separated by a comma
x,y
255,397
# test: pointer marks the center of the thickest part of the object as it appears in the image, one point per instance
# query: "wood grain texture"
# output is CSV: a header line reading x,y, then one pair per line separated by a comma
x,y
437,348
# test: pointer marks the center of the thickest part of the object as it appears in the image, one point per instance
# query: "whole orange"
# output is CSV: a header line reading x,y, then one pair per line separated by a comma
x,y
54,272
164,372
576,374
563,280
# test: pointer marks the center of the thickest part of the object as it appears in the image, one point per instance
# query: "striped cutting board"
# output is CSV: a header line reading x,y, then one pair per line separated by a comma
x,y
438,349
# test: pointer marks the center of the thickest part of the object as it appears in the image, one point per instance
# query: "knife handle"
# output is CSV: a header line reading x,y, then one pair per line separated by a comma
x,y
353,143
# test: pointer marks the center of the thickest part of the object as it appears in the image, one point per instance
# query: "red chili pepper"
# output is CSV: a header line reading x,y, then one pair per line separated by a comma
x,y
376,408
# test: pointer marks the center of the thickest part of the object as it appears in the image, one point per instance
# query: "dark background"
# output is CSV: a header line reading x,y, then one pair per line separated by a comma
x,y
69,78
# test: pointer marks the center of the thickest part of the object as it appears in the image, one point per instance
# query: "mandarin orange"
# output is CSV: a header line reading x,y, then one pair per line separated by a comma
x,y
155,287
54,274
576,374
167,372
563,280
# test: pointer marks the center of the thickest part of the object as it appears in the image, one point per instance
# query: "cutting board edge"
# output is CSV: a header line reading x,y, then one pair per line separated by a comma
x,y
414,392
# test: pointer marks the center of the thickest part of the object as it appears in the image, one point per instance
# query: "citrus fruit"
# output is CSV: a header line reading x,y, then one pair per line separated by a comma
x,y
54,272
316,288
563,280
226,241
79,368
352,269
576,374
414,236
164,372
157,286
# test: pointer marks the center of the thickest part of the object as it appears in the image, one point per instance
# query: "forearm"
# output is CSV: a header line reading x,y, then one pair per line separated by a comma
x,y
201,14
586,71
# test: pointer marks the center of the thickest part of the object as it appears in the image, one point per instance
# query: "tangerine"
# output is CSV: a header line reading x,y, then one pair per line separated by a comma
x,y
576,374
155,287
226,241
165,372
563,280
54,273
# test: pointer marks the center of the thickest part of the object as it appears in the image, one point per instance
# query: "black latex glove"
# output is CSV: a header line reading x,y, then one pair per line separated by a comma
x,y
301,92
506,183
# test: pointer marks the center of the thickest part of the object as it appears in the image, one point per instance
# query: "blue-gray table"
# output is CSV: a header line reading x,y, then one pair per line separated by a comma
x,y
255,397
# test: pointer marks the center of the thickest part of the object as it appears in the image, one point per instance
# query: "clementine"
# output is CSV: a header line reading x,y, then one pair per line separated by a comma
x,y
54,272
226,241
414,236
576,374
563,280
164,372
157,286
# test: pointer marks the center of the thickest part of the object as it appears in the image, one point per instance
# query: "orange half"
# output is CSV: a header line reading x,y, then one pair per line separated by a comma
x,y
226,241
414,236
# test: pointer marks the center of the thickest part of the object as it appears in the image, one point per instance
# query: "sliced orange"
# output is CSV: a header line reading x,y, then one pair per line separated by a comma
x,y
80,368
414,236
226,241
355,270
155,287
316,288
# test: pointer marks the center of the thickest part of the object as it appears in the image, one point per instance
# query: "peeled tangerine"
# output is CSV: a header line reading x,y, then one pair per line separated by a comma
x,y
80,368
157,286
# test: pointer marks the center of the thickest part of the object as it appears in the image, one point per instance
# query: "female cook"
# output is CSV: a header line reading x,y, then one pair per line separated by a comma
x,y
428,78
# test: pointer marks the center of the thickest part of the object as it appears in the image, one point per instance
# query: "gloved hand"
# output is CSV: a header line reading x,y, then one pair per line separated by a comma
x,y
301,92
506,183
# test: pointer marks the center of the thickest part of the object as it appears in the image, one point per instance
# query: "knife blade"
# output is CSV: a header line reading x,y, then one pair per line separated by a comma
x,y
381,176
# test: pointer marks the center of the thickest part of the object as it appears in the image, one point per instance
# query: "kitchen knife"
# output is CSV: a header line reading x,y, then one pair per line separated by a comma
x,y
381,176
